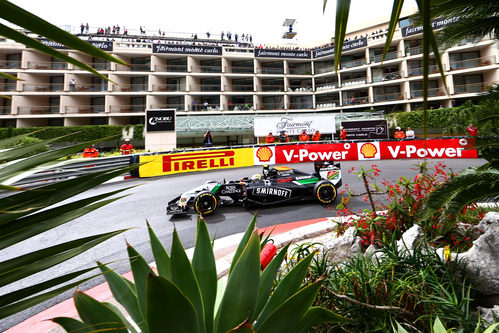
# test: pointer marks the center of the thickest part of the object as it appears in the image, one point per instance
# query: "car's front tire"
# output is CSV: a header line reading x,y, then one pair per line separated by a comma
x,y
325,192
205,203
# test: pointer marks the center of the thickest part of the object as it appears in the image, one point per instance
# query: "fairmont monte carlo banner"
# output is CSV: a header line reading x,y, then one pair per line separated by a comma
x,y
186,49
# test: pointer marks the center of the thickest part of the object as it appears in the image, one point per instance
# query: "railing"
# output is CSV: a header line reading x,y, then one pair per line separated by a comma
x,y
42,87
239,87
352,63
238,50
471,88
241,70
140,67
388,56
327,86
356,100
272,106
433,92
470,63
206,69
204,107
8,86
419,70
91,87
85,109
354,82
10,64
270,88
178,107
205,87
133,45
299,88
101,66
296,106
171,68
320,70
4,109
240,107
37,109
168,87
328,104
300,71
127,108
269,70
130,87
396,96
380,76
410,51
47,65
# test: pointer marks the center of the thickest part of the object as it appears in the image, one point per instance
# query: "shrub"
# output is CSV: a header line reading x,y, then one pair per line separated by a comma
x,y
80,133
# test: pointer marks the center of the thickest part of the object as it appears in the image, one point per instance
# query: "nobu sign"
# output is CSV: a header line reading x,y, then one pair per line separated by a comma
x,y
160,120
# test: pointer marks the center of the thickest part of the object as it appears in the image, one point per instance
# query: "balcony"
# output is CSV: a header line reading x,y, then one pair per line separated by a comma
x,y
300,106
473,88
411,51
381,77
471,63
354,82
300,88
91,87
356,100
101,66
328,104
326,86
240,70
168,87
352,63
396,96
43,87
54,65
240,107
270,70
300,71
270,88
35,110
130,87
204,107
84,109
433,92
272,106
8,86
205,87
4,109
206,69
140,67
127,108
417,71
320,70
10,64
171,68
178,107
239,87
388,56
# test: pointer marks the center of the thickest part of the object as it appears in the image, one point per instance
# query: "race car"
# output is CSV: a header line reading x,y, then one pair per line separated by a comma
x,y
275,185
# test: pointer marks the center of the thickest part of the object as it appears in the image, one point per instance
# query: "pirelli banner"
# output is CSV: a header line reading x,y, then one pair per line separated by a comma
x,y
364,151
158,165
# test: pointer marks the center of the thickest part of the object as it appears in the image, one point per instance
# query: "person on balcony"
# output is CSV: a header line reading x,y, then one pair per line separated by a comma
x,y
72,84
126,148
270,138
316,136
304,136
399,134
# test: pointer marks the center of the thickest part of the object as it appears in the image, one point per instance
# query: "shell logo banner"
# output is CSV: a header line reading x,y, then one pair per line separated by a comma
x,y
264,155
368,151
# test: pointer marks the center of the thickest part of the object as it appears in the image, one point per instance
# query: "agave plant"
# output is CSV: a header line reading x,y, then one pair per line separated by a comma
x,y
184,296
25,213
438,327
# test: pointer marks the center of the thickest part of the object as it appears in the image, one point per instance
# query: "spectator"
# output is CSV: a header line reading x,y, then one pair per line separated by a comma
x,y
316,136
90,152
82,28
207,34
72,84
304,136
472,130
126,148
208,139
283,137
409,134
441,106
270,138
205,105
399,134
86,28
236,37
222,35
343,133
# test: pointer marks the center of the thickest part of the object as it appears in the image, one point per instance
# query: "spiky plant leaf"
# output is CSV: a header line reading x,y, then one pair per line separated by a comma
x,y
161,257
72,325
140,271
246,236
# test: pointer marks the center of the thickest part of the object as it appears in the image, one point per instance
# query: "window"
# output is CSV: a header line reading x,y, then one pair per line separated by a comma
x,y
139,83
57,83
141,64
98,104
54,103
468,84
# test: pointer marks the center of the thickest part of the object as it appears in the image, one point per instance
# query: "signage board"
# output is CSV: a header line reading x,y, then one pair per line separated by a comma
x,y
160,120
366,129
186,49
277,53
294,124
435,24
100,44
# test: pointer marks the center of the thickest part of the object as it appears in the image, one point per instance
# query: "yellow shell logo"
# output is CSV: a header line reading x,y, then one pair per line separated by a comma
x,y
264,154
368,150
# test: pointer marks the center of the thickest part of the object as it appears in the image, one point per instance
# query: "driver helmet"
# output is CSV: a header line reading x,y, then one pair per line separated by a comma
x,y
256,176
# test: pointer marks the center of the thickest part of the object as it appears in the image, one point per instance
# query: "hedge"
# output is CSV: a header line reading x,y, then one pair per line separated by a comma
x,y
82,133
438,118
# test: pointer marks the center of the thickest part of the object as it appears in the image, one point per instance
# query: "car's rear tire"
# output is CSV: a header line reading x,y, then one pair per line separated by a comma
x,y
325,192
205,203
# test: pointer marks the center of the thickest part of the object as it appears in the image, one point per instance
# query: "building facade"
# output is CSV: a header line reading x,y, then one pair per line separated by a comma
x,y
204,81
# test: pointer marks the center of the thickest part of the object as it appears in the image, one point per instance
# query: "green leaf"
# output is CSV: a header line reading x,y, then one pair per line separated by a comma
x,y
400,329
8,141
160,255
140,270
168,308
72,325
289,285
267,278
9,77
205,269
129,326
100,316
239,300
316,316
438,327
20,267
342,12
396,10
13,154
184,277
288,314
246,236
125,294
31,225
491,328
